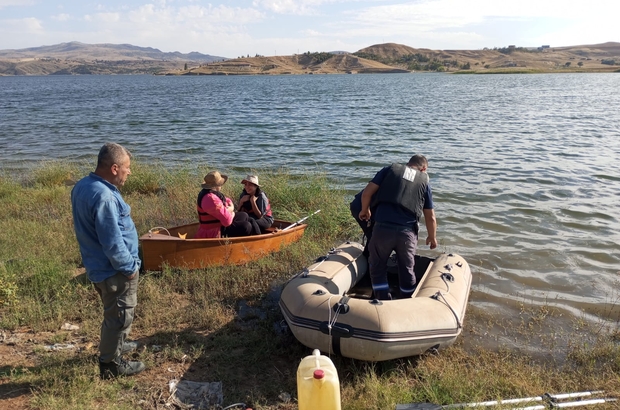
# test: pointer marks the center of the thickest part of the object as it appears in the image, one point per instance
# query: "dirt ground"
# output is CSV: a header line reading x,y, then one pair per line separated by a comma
x,y
14,396
17,353
21,350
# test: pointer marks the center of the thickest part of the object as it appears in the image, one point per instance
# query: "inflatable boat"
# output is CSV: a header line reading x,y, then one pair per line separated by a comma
x,y
329,306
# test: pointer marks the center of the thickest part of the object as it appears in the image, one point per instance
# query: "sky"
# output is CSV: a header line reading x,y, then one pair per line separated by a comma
x,y
237,28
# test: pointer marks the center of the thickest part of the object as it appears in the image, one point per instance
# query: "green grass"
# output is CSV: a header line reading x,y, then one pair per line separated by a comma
x,y
190,323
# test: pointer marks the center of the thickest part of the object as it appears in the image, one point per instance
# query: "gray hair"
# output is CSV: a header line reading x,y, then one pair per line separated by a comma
x,y
111,154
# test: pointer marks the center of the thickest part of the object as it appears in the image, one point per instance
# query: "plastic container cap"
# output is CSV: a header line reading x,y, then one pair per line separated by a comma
x,y
319,374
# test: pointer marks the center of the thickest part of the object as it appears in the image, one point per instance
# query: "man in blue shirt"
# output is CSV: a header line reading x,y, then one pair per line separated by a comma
x,y
108,242
400,195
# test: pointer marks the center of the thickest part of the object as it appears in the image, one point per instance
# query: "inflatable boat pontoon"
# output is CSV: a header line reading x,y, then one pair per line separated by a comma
x,y
329,307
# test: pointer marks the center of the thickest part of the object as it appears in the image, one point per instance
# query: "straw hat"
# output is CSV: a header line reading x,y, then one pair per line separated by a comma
x,y
251,178
213,179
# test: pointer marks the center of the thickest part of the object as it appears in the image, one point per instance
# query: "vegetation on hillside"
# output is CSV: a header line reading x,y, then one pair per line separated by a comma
x,y
413,62
318,58
510,50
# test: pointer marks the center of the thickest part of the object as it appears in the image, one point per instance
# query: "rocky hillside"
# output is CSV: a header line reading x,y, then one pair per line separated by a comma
x,y
79,58
596,57
308,63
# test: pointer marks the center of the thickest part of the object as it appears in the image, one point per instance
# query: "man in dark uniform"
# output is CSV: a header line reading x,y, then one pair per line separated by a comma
x,y
402,194
356,206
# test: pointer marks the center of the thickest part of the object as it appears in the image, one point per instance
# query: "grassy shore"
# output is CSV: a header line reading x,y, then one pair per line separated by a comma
x,y
223,324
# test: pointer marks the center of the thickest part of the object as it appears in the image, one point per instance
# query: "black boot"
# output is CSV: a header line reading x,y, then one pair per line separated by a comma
x,y
119,367
382,295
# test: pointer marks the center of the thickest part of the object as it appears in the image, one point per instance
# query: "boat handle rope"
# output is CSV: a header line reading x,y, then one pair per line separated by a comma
x,y
447,277
330,321
438,295
158,227
304,273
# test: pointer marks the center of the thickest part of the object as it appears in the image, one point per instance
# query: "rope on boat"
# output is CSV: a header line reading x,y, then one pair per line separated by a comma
x,y
447,277
305,272
438,295
330,321
158,227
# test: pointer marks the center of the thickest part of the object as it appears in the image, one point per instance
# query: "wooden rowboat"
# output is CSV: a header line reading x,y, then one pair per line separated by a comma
x,y
177,247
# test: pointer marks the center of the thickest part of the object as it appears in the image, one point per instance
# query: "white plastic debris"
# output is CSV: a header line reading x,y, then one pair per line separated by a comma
x,y
195,395
58,346
69,326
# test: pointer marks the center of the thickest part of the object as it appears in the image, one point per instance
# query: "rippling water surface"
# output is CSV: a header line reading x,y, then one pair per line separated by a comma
x,y
525,168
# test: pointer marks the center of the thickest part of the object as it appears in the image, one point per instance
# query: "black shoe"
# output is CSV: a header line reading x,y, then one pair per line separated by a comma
x,y
129,347
119,367
382,295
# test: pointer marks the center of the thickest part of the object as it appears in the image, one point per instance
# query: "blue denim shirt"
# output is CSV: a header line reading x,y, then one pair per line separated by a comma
x,y
104,229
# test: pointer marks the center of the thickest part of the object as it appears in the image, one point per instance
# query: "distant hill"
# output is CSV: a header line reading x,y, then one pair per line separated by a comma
x,y
111,52
307,63
79,58
611,48
595,57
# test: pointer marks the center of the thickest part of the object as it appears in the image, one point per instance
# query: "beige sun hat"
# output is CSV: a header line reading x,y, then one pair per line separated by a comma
x,y
251,178
214,179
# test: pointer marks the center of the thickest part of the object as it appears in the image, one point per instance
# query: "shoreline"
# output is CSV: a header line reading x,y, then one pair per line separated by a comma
x,y
612,70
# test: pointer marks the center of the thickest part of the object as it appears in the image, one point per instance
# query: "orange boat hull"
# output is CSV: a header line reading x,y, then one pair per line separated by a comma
x,y
170,246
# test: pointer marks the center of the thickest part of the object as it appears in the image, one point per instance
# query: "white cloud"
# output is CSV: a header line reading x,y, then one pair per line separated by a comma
x,y
25,28
108,17
460,24
312,33
220,14
61,17
192,15
32,24
438,14
217,30
239,27
20,3
300,7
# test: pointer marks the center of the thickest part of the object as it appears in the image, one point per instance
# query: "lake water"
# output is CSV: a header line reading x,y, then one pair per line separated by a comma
x,y
525,168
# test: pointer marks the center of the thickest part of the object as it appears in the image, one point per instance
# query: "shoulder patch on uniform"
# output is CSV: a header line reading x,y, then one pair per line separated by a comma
x,y
409,174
